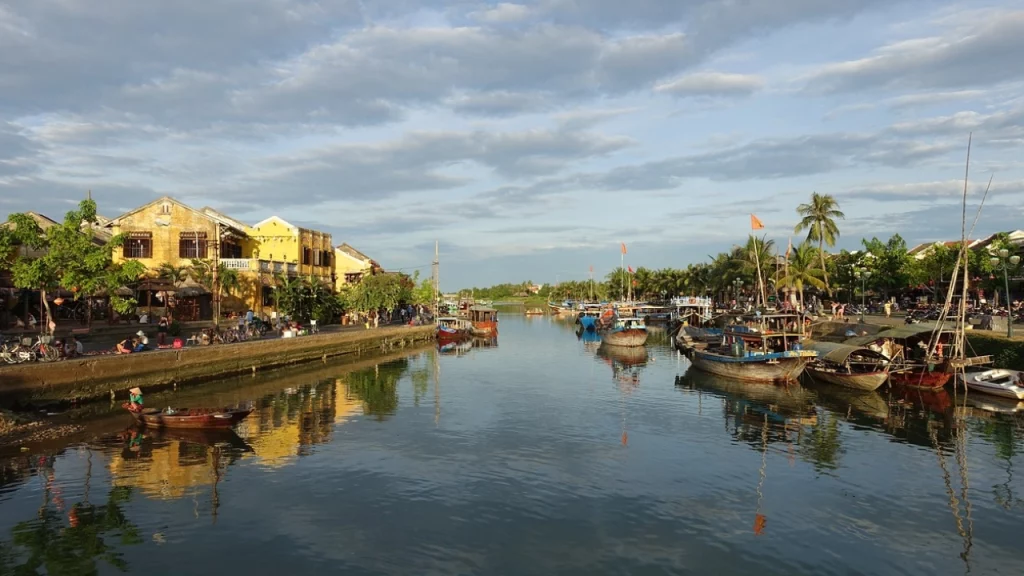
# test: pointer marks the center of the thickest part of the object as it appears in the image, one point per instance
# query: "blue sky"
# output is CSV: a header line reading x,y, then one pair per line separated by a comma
x,y
530,137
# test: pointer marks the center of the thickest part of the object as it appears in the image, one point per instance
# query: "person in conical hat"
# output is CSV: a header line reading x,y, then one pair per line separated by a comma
x,y
135,399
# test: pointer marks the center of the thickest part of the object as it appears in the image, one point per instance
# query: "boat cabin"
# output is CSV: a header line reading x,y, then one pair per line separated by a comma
x,y
478,314
911,342
693,310
453,323
765,334
629,324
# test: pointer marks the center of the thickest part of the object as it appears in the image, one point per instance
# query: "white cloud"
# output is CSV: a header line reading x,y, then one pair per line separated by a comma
x,y
981,52
712,84
502,13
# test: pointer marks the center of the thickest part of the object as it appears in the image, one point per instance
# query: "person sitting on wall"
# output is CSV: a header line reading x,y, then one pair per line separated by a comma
x,y
138,345
125,346
72,347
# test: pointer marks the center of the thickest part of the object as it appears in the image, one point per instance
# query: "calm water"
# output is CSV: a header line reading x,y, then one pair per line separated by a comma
x,y
539,455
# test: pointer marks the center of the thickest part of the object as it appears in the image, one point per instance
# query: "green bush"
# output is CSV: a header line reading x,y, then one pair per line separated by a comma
x,y
1005,353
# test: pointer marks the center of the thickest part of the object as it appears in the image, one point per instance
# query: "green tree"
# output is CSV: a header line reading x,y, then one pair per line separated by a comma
x,y
757,252
802,270
70,259
890,264
381,291
819,219
201,271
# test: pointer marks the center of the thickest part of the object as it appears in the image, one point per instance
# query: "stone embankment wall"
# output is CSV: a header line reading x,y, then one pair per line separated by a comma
x,y
95,377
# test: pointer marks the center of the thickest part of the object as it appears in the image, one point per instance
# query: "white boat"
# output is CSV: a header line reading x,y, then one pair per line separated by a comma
x,y
998,382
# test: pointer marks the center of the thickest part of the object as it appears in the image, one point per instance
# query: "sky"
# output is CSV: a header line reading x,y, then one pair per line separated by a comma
x,y
528,138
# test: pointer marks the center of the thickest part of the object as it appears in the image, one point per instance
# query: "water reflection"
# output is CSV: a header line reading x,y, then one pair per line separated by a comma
x,y
712,476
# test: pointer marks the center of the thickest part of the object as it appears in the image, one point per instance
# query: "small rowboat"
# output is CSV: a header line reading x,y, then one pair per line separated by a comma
x,y
998,382
534,312
191,417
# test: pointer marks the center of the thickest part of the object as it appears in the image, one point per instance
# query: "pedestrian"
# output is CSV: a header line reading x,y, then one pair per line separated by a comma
x,y
888,309
842,311
161,331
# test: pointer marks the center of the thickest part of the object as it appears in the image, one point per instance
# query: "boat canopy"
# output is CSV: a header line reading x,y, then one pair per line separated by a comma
x,y
481,309
896,333
840,353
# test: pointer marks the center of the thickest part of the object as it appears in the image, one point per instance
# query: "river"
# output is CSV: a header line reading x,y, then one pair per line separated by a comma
x,y
537,454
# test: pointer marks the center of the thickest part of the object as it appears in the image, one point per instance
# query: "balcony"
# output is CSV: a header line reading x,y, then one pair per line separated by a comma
x,y
240,264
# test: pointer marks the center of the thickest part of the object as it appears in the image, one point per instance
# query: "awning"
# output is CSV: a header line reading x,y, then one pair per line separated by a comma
x,y
898,333
840,353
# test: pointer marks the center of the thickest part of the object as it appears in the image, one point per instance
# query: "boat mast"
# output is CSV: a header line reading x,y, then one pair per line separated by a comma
x,y
436,272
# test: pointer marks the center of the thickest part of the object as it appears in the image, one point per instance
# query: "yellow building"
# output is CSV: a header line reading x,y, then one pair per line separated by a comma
x,y
169,231
350,265
275,239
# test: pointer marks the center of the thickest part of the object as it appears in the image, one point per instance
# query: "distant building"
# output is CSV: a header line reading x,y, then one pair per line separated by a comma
x,y
351,265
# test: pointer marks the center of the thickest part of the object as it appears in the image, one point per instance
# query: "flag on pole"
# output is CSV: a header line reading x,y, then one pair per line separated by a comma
x,y
630,269
789,248
755,223
623,247
591,269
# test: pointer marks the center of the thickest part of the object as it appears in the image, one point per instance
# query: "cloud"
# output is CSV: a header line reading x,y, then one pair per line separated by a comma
x,y
416,163
502,13
936,191
979,53
18,154
712,84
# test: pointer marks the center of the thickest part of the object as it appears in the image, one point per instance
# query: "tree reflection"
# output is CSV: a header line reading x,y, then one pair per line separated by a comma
x,y
1002,435
378,387
822,446
48,545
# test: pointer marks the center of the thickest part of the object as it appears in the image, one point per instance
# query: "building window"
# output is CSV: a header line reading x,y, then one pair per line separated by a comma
x,y
325,259
193,245
138,245
353,277
307,256
165,209
268,296
228,250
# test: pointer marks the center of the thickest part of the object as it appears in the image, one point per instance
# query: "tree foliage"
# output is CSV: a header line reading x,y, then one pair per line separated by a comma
x,y
819,217
378,291
68,258
306,299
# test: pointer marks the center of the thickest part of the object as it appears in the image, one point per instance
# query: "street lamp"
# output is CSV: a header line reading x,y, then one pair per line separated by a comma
x,y
863,274
1003,258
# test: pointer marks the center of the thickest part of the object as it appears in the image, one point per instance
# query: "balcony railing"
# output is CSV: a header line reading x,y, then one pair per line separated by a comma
x,y
263,266
241,264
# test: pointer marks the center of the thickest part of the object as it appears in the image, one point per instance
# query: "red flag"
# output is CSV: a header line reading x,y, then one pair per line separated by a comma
x,y
755,223
630,269
623,247
591,269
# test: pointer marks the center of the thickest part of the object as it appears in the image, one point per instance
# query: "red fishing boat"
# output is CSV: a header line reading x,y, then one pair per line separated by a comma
x,y
190,417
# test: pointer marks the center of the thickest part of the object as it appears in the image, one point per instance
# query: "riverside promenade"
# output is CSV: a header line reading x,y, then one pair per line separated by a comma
x,y
105,376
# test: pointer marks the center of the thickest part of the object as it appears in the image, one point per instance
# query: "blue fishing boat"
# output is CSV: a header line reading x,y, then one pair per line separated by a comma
x,y
759,349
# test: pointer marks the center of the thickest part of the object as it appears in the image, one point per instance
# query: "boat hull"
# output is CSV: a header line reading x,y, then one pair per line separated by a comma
x,y
481,328
920,378
978,383
866,381
191,419
750,369
588,322
631,337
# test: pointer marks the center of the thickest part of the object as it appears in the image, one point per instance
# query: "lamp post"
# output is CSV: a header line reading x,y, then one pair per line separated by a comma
x,y
1004,258
736,284
863,274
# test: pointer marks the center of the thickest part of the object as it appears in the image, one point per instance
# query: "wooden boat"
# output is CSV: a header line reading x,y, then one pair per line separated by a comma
x,y
451,329
763,349
997,382
587,319
191,417
484,321
625,332
906,349
853,367
534,312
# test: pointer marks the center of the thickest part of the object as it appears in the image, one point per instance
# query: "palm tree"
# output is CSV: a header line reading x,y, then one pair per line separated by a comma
x,y
756,259
819,219
802,270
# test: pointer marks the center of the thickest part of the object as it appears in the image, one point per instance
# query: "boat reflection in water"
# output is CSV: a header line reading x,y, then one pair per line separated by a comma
x,y
770,417
626,362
